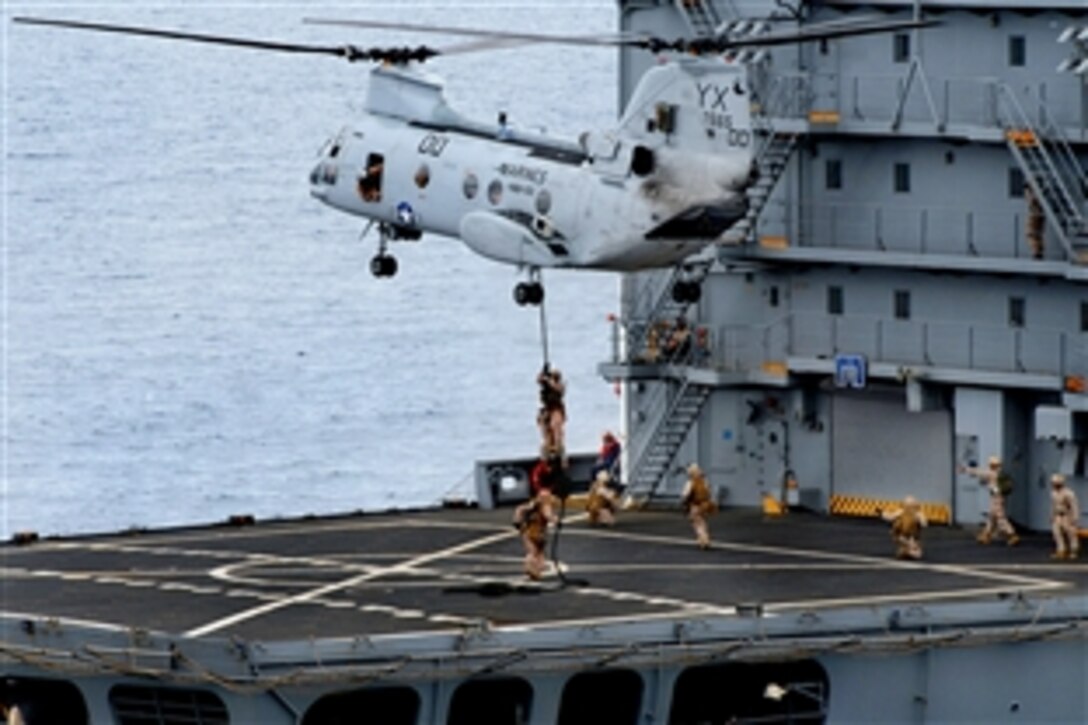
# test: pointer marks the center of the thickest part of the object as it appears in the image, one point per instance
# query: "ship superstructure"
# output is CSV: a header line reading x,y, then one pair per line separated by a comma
x,y
884,316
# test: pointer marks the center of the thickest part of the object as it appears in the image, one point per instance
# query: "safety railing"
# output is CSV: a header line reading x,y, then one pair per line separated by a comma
x,y
873,99
917,229
937,344
951,345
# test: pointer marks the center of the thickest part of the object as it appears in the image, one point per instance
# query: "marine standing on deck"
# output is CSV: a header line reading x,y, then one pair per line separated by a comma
x,y
1064,519
601,502
532,520
907,523
698,503
999,485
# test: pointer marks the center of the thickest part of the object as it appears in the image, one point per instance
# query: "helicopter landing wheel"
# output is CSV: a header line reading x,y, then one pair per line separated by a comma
x,y
383,265
528,293
689,292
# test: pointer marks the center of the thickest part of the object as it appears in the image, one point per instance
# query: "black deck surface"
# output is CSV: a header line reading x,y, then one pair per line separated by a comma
x,y
437,570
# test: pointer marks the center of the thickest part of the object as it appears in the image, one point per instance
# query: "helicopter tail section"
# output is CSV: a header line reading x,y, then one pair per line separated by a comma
x,y
698,105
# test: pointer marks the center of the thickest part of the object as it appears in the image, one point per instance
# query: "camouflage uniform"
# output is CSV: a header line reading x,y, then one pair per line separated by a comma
x,y
698,503
532,519
907,524
1064,519
601,503
996,519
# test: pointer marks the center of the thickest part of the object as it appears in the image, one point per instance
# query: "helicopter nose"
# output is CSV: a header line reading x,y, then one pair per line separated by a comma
x,y
322,177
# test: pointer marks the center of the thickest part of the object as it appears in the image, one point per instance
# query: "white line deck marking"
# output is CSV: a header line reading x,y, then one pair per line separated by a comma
x,y
216,625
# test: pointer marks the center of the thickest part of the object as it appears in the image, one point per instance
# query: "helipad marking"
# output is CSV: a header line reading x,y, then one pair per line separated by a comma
x,y
956,569
405,566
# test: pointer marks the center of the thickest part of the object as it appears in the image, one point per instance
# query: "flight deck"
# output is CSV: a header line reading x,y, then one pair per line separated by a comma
x,y
458,569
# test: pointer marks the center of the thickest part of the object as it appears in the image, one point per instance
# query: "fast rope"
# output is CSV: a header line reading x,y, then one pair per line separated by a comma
x,y
544,334
563,489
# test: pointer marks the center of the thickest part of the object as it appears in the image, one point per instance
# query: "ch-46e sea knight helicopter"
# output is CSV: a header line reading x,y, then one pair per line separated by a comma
x,y
669,180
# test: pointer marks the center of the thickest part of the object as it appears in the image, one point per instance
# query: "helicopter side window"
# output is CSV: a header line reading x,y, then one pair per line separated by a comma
x,y
423,176
543,201
370,183
471,186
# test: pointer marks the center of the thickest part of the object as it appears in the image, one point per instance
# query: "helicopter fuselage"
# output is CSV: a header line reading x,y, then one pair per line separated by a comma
x,y
510,201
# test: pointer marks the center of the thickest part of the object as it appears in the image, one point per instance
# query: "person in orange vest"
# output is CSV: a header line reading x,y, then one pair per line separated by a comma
x,y
1064,519
907,523
698,503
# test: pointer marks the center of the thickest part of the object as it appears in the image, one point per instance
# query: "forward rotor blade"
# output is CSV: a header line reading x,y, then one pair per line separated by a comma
x,y
595,40
348,52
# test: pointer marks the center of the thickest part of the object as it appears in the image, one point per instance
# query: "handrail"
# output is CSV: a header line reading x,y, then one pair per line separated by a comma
x,y
1065,219
953,345
648,447
1070,165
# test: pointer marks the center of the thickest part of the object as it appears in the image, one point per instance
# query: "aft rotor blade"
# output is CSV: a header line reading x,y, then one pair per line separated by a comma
x,y
348,52
819,31
719,44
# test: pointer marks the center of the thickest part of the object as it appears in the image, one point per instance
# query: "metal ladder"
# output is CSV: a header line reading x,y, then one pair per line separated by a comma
x,y
660,450
701,16
1052,170
771,160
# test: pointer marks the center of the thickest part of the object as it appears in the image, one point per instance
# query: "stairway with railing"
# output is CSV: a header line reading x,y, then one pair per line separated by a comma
x,y
659,453
771,161
701,16
1051,169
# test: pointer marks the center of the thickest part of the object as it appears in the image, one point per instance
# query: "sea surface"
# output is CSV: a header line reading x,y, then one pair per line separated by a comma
x,y
188,335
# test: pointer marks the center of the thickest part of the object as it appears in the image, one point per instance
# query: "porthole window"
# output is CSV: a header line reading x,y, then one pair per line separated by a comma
x,y
494,192
543,201
423,176
471,185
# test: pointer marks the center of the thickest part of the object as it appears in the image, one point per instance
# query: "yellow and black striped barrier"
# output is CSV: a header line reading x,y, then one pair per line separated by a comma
x,y
868,507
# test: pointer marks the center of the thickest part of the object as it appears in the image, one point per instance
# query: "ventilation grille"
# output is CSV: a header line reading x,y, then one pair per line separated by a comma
x,y
134,705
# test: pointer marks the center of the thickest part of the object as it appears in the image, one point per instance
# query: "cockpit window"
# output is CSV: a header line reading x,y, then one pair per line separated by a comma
x,y
370,182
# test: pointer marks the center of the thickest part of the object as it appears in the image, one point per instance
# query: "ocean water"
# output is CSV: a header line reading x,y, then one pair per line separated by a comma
x,y
188,335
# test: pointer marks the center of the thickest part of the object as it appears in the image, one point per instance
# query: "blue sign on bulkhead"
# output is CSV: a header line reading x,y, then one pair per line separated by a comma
x,y
850,371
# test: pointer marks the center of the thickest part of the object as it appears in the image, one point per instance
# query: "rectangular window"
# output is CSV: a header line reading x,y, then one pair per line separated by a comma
x,y
1016,183
902,178
901,48
1084,316
833,174
1018,51
834,300
1016,312
902,304
773,296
